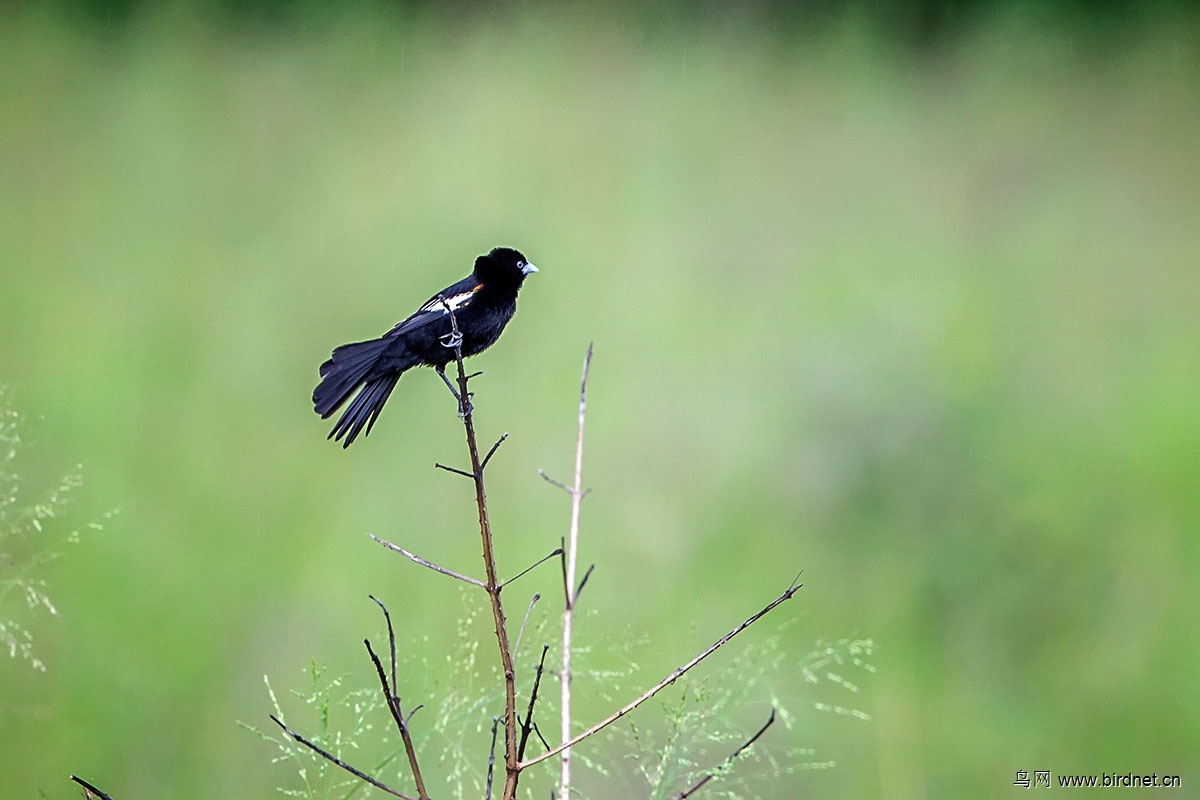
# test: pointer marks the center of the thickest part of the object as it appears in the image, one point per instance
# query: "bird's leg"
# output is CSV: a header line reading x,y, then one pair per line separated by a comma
x,y
441,371
464,406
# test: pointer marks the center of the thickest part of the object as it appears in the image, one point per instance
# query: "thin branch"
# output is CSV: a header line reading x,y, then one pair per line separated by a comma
x,y
426,563
521,633
566,586
491,759
483,464
391,634
541,738
572,550
686,793
667,681
91,790
553,482
455,470
555,552
583,582
528,724
393,701
392,695
330,757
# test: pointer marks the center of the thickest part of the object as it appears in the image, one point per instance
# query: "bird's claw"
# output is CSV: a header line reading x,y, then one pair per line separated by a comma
x,y
465,408
452,339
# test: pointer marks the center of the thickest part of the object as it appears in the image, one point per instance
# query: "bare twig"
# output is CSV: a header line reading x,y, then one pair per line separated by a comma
x,y
483,464
555,552
583,581
553,482
491,759
541,738
426,563
391,694
330,757
393,701
391,635
90,790
455,470
686,793
521,633
528,724
667,681
563,562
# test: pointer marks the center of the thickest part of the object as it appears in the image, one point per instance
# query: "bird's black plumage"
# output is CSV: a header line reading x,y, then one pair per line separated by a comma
x,y
483,303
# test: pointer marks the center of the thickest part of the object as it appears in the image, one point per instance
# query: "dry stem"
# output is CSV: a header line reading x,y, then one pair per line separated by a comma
x,y
569,592
90,790
393,701
492,585
330,757
733,757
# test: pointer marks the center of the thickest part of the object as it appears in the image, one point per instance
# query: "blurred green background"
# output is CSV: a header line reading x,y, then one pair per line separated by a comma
x,y
909,303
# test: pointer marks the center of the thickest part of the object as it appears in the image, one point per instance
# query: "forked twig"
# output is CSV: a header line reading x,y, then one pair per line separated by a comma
x,y
392,696
527,726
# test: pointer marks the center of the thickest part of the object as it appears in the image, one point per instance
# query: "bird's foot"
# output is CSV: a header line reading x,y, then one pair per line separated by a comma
x,y
452,339
465,409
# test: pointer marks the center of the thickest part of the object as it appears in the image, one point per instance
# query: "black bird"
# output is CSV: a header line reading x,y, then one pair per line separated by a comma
x,y
483,303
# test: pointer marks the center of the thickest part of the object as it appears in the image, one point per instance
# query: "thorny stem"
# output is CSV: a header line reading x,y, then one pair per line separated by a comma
x,y
512,764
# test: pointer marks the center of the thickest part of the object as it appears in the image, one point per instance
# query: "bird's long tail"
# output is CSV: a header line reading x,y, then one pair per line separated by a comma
x,y
347,370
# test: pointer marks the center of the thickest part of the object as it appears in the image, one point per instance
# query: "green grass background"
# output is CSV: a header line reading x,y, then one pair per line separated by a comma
x,y
921,322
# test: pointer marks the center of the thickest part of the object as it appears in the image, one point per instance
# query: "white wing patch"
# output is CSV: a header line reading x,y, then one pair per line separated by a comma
x,y
455,302
435,309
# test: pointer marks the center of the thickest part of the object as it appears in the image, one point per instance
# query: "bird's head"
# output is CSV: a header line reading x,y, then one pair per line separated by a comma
x,y
503,266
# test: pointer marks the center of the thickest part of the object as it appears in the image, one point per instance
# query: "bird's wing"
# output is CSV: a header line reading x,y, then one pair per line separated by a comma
x,y
456,296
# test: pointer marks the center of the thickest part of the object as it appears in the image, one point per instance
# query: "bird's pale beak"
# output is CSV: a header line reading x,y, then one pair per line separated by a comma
x,y
528,268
